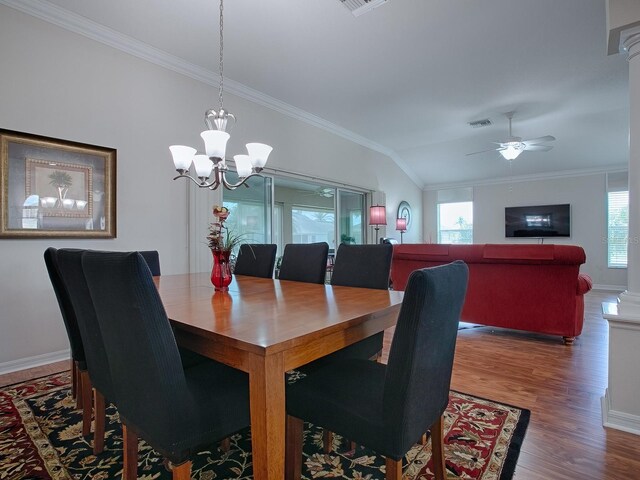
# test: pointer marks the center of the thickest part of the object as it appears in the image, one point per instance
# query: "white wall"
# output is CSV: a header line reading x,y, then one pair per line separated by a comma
x,y
585,193
60,84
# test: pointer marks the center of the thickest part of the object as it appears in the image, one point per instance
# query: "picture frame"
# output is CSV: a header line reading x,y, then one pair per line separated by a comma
x,y
52,188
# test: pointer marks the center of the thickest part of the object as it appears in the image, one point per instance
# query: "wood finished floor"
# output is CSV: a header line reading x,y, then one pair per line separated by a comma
x,y
561,386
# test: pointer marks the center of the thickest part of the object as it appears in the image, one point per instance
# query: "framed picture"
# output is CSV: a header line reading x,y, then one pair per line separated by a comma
x,y
56,188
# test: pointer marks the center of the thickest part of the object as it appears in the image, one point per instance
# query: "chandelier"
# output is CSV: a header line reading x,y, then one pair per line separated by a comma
x,y
211,167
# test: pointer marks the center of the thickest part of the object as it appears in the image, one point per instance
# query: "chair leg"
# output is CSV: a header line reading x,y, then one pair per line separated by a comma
x,y
293,451
130,454
85,393
327,440
74,379
99,419
394,469
182,471
79,378
437,449
225,444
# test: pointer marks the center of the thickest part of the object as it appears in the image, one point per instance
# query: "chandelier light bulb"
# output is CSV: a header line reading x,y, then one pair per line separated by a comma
x,y
243,165
258,153
203,166
182,156
215,143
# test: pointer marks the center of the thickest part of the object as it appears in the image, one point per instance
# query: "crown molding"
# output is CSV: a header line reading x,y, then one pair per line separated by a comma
x,y
528,178
88,28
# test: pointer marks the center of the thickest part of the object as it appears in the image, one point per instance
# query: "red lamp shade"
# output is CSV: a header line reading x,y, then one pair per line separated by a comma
x,y
377,215
401,224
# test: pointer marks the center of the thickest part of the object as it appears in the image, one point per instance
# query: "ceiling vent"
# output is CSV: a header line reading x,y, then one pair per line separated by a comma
x,y
485,122
358,7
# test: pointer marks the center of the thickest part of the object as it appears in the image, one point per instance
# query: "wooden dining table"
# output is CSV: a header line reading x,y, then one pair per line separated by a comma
x,y
267,327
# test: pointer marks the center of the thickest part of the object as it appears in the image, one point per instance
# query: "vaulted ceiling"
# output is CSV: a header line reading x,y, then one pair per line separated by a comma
x,y
408,77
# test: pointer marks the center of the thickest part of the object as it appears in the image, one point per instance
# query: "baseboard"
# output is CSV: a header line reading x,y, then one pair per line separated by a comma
x,y
618,420
609,288
36,361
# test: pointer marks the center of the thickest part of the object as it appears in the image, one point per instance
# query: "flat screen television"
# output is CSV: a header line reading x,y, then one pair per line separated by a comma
x,y
538,221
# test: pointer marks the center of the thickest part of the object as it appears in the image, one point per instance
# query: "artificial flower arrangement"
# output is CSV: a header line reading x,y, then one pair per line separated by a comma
x,y
220,238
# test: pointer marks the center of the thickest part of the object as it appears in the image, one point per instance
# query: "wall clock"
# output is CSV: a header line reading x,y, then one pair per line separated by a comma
x,y
404,211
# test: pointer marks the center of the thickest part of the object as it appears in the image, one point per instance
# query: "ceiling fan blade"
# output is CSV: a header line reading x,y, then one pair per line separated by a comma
x,y
546,138
485,151
538,148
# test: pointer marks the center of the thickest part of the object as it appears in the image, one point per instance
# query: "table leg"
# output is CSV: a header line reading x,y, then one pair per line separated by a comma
x,y
268,415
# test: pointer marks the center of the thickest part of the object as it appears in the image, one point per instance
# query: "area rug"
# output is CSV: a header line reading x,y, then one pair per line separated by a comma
x,y
40,439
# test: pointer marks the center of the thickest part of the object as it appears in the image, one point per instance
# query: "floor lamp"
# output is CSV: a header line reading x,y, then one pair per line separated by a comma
x,y
377,217
401,226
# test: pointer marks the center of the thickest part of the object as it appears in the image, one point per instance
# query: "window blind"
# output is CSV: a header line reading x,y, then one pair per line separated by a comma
x,y
617,228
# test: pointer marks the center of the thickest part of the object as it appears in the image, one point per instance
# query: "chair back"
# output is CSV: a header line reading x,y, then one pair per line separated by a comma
x,y
153,261
304,262
256,260
365,266
69,317
418,373
148,378
69,263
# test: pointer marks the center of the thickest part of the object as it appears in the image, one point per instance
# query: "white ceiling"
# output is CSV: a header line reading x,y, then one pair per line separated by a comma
x,y
409,75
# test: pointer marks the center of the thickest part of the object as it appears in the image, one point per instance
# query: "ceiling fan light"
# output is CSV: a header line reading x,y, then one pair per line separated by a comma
x,y
511,152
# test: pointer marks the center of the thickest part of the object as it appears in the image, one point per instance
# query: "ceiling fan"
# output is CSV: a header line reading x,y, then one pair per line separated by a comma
x,y
514,146
325,192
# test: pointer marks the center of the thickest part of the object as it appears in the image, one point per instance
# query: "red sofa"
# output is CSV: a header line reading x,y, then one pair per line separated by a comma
x,y
537,288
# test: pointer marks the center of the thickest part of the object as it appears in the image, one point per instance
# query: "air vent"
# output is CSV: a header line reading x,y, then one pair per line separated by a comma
x,y
358,7
485,122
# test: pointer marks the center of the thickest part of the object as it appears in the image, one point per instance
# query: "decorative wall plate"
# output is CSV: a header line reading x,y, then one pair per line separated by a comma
x,y
404,211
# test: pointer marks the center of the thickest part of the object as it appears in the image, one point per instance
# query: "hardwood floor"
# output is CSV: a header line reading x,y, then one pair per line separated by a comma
x,y
561,385
23,375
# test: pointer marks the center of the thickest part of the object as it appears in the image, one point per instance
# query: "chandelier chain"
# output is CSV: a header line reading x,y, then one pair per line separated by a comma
x,y
221,65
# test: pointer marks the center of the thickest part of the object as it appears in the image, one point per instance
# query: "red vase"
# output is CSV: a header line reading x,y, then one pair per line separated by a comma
x,y
221,272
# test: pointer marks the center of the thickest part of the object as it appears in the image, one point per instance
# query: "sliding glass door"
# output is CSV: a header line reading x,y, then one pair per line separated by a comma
x,y
350,207
250,210
284,210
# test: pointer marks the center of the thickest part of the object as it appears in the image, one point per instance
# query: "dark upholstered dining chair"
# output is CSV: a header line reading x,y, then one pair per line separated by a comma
x,y
404,398
176,410
256,260
78,357
153,261
304,262
99,376
67,265
364,266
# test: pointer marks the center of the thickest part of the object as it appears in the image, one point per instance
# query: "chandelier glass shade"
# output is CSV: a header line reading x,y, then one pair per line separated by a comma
x,y
211,167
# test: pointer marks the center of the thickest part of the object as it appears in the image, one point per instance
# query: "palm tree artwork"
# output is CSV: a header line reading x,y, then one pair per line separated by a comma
x,y
62,181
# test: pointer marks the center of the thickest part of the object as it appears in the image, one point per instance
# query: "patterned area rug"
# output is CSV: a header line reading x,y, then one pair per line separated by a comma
x,y
40,438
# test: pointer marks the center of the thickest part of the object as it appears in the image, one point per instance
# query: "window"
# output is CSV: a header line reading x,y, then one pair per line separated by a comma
x,y
617,228
455,222
313,224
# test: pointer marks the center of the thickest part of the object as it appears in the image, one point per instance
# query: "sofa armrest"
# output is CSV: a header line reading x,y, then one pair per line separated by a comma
x,y
584,284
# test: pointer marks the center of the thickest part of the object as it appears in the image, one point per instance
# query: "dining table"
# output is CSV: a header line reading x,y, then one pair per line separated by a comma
x,y
267,327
